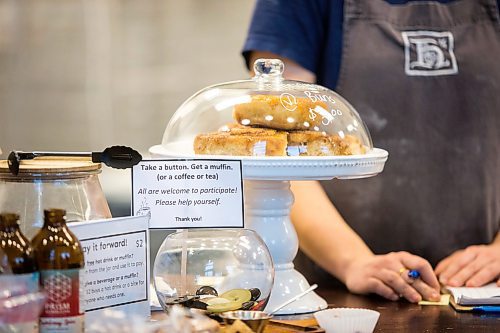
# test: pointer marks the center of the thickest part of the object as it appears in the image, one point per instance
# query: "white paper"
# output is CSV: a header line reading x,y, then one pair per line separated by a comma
x,y
486,295
116,273
182,194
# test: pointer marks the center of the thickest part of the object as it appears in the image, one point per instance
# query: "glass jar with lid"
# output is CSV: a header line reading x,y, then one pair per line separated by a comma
x,y
67,183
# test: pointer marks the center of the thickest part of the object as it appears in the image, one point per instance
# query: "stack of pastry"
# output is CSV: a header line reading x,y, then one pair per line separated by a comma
x,y
275,131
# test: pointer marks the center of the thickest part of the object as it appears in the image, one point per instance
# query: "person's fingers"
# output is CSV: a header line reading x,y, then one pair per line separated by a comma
x,y
498,282
471,270
458,262
387,276
490,271
398,284
427,292
378,287
411,261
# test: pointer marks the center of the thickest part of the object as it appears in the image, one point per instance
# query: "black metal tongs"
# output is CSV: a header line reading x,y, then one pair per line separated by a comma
x,y
118,157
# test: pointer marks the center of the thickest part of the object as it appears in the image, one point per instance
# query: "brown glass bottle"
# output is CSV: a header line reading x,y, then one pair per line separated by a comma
x,y
59,257
15,245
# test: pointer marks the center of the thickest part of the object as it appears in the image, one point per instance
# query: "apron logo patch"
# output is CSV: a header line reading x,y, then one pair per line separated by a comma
x,y
429,53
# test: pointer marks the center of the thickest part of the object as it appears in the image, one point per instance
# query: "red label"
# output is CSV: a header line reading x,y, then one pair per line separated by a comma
x,y
63,293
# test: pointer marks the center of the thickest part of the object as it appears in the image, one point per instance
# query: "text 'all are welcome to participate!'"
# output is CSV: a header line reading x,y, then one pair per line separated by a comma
x,y
180,194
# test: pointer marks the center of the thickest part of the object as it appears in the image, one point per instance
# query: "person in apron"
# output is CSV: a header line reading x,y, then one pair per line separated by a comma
x,y
425,78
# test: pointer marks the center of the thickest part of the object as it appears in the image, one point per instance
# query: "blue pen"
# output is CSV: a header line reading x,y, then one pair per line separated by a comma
x,y
487,309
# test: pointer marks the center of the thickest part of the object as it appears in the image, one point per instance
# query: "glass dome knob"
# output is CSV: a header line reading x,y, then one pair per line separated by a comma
x,y
268,67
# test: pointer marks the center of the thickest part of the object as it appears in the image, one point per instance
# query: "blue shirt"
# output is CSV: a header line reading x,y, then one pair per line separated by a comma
x,y
308,32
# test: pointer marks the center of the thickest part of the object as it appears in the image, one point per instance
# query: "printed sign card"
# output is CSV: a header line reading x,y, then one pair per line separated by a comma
x,y
182,194
116,273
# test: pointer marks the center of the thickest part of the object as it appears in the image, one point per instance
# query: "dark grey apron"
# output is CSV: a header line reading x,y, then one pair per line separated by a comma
x,y
425,77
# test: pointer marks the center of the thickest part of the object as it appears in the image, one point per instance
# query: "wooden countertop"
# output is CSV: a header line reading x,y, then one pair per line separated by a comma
x,y
402,316
399,316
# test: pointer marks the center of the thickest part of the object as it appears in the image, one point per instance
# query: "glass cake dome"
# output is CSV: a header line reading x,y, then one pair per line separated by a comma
x,y
266,116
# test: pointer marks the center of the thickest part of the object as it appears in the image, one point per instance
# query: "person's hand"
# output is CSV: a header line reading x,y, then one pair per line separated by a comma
x,y
473,266
387,276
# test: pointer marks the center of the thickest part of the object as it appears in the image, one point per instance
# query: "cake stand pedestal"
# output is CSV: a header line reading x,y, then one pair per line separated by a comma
x,y
268,200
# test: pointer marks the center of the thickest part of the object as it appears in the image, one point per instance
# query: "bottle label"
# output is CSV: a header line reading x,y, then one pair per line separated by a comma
x,y
63,311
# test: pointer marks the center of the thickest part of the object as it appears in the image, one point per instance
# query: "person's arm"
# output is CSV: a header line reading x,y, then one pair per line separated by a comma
x,y
329,241
473,266
323,231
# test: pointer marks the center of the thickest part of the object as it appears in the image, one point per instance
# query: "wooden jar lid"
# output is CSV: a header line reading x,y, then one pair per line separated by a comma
x,y
53,165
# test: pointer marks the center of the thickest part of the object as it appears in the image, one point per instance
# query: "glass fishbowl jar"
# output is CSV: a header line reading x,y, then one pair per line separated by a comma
x,y
67,183
216,270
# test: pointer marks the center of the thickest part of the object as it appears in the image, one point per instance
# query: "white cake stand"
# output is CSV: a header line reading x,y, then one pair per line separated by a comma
x,y
268,200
